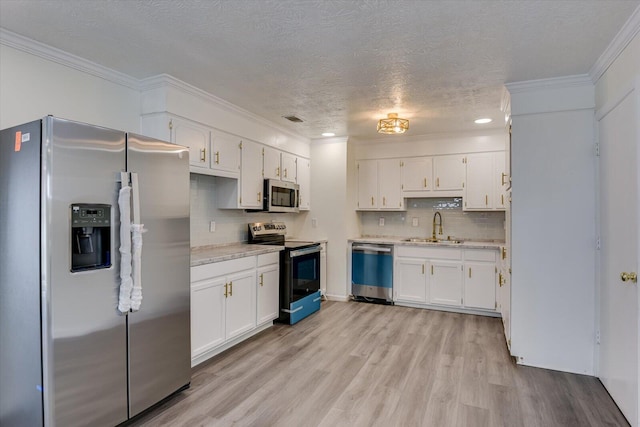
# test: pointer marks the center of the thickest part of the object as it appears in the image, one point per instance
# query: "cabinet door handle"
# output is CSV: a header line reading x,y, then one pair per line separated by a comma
x,y
502,199
469,272
422,268
425,183
504,252
226,291
384,201
217,157
371,200
259,195
502,178
278,171
230,289
203,155
261,279
437,182
285,173
432,270
486,200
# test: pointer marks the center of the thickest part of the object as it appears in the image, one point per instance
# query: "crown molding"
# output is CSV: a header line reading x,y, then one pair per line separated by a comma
x,y
434,136
628,31
61,57
551,83
166,80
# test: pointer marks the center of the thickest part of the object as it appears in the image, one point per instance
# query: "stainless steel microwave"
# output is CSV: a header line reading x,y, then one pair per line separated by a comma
x,y
281,196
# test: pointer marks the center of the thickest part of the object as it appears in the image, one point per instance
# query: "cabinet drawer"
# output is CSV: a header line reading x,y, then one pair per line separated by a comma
x,y
480,255
222,268
304,307
270,258
428,252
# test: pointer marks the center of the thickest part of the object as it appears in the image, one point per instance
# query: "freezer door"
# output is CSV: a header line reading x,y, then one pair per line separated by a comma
x,y
20,350
159,333
85,354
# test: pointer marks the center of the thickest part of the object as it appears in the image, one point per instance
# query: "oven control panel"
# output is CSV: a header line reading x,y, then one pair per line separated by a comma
x,y
267,228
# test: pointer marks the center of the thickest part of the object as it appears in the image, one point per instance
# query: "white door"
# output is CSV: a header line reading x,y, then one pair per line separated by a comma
x,y
480,285
417,174
367,184
446,283
251,175
241,303
410,283
207,315
389,184
271,163
618,363
268,293
195,137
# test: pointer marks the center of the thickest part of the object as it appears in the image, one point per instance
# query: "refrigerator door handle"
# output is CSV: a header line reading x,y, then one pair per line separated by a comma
x,y
126,281
137,228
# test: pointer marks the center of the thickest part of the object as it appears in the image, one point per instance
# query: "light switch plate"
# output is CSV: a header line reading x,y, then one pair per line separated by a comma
x,y
414,222
314,222
381,221
212,226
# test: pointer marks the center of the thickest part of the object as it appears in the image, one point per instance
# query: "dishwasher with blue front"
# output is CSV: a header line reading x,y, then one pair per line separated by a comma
x,y
372,271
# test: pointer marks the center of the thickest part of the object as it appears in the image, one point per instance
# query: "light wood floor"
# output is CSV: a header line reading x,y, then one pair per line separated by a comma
x,y
358,364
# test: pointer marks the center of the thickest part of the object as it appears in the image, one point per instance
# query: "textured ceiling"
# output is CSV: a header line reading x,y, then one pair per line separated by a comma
x,y
338,65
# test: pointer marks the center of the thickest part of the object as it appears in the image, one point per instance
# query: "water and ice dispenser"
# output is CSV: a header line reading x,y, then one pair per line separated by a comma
x,y
90,237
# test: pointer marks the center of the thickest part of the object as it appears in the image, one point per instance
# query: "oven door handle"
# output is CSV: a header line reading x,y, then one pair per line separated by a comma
x,y
304,251
371,248
292,311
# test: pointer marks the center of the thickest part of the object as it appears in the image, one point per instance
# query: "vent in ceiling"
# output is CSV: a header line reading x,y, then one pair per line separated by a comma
x,y
294,119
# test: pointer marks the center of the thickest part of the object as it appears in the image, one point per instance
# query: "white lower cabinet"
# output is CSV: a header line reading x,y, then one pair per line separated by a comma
x,y
228,303
456,278
240,297
411,280
268,275
446,283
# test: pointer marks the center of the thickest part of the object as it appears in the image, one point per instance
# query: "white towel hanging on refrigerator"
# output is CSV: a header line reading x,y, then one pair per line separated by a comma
x,y
126,282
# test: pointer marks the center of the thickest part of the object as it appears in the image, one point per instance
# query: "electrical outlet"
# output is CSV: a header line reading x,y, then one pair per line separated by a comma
x,y
381,221
212,226
414,222
314,222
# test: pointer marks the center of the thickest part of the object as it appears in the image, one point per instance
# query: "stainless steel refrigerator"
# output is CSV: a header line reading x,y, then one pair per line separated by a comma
x,y
68,355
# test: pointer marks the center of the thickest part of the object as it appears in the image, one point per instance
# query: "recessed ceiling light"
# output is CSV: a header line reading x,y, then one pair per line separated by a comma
x,y
328,134
483,121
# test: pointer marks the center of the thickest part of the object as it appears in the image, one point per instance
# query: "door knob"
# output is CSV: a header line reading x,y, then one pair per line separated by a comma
x,y
629,277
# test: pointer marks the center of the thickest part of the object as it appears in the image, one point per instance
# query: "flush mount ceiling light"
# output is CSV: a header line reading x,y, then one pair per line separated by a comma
x,y
393,124
483,121
328,134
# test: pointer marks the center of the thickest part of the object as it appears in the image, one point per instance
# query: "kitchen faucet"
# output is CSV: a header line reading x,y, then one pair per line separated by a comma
x,y
433,234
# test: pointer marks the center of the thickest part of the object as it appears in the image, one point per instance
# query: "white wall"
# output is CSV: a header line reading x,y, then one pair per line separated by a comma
x,y
553,225
332,207
33,87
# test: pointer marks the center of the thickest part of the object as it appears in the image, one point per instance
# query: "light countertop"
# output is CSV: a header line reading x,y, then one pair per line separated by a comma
x,y
400,241
201,255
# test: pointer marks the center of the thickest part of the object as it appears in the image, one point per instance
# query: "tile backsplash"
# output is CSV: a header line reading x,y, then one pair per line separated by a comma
x,y
455,222
231,224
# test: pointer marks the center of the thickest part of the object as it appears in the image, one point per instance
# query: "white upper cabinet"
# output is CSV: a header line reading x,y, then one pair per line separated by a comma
x,y
271,163
417,175
288,167
304,181
485,174
478,193
449,173
225,154
367,184
389,184
379,185
251,181
194,136
501,180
